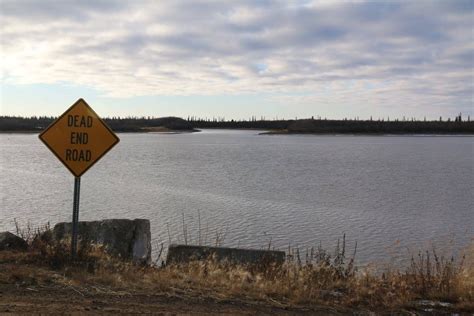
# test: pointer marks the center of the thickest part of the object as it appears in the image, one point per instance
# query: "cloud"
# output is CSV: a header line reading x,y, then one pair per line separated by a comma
x,y
416,53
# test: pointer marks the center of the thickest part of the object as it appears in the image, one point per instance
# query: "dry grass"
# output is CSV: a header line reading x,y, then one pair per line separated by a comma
x,y
320,279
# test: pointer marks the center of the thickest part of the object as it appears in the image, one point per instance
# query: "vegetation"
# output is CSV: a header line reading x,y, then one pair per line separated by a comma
x,y
380,127
24,124
318,125
322,279
346,126
37,124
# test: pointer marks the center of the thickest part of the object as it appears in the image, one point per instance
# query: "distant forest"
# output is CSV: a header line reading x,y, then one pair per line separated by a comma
x,y
318,125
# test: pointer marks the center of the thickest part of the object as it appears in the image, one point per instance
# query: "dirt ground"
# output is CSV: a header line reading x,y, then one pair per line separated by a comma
x,y
54,300
58,300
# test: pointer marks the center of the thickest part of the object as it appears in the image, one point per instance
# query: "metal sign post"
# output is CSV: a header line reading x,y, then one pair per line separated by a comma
x,y
78,138
75,215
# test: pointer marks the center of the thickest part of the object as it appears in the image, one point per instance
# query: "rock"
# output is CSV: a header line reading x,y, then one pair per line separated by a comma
x,y
128,239
184,254
428,303
141,250
9,241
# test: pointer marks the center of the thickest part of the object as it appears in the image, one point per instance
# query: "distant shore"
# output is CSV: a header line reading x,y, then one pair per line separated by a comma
x,y
267,133
457,126
285,132
164,130
144,131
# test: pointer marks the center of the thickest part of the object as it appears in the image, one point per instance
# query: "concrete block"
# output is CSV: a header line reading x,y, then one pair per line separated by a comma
x,y
128,239
9,241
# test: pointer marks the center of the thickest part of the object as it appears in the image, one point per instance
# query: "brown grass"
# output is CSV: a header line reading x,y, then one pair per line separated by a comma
x,y
322,279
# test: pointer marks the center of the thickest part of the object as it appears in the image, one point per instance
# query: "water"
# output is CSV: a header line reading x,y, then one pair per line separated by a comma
x,y
393,195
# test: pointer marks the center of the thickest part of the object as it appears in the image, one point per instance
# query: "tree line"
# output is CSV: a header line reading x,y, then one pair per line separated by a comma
x,y
310,125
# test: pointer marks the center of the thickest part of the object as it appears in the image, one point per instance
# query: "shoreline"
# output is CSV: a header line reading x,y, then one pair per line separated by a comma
x,y
268,133
271,133
168,131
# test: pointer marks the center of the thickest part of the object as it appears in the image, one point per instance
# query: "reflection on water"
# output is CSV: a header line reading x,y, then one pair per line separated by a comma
x,y
389,194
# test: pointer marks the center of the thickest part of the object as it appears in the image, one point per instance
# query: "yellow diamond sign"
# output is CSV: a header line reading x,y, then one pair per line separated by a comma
x,y
79,138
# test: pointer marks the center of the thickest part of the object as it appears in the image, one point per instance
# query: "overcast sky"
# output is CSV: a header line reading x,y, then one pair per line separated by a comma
x,y
236,59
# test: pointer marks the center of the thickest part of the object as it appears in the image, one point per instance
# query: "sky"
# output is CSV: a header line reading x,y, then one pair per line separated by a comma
x,y
237,59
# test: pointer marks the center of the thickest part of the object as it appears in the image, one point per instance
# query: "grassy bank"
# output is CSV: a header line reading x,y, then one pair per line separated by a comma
x,y
322,281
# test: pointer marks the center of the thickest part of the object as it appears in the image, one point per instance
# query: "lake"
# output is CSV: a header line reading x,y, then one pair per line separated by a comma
x,y
393,195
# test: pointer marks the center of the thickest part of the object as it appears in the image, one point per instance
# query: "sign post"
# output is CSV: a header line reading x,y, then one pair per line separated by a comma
x,y
75,215
78,138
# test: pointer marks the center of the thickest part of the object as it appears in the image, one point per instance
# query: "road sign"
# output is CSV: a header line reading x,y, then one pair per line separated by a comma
x,y
79,138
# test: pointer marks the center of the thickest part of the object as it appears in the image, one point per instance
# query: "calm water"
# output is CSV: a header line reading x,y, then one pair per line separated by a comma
x,y
392,195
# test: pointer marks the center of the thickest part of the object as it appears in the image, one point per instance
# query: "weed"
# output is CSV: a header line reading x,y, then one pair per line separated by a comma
x,y
320,277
